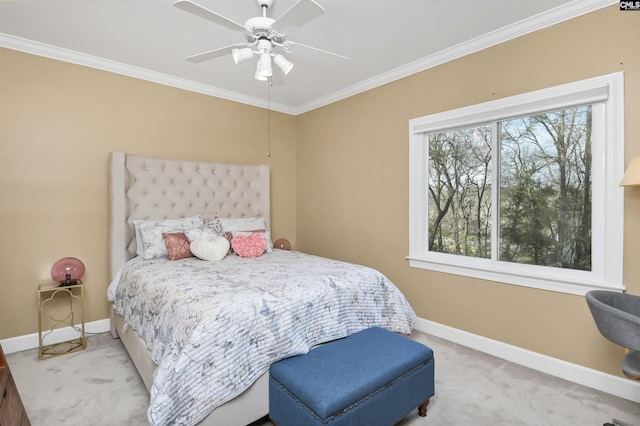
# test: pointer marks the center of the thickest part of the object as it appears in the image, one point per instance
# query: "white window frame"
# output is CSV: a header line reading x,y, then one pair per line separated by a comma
x,y
606,94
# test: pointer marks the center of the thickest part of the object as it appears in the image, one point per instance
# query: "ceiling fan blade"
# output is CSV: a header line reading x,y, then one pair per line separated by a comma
x,y
212,54
297,15
196,9
289,44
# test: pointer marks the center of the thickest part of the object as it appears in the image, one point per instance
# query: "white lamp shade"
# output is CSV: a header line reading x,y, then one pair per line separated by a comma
x,y
240,55
264,65
632,175
259,76
283,64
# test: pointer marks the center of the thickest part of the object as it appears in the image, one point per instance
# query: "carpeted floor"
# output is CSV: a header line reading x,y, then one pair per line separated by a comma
x,y
100,386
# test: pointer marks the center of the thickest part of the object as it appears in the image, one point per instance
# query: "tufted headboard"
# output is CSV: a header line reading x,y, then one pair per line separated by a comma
x,y
155,188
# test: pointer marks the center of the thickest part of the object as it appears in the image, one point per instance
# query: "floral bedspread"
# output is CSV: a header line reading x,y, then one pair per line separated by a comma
x,y
214,328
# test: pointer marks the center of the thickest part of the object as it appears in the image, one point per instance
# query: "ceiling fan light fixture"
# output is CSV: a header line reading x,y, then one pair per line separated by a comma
x,y
259,76
259,33
243,54
264,65
282,63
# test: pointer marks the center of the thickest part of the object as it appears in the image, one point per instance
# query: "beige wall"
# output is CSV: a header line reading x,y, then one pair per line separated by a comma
x,y
353,182
347,163
58,123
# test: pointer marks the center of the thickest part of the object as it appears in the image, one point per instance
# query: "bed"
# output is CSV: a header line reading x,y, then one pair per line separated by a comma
x,y
239,314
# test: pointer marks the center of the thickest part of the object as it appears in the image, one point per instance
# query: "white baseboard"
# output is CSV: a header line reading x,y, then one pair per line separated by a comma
x,y
614,385
608,383
30,341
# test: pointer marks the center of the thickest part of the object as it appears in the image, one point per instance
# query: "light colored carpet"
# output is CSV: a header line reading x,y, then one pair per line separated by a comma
x,y
100,386
97,386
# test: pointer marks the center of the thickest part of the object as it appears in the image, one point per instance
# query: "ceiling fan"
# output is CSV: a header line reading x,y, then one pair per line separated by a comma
x,y
263,35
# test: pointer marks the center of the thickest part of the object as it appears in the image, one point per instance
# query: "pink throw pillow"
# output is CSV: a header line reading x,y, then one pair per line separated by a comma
x,y
177,245
252,245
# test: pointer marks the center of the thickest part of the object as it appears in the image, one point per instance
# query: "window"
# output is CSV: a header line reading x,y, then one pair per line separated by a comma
x,y
523,190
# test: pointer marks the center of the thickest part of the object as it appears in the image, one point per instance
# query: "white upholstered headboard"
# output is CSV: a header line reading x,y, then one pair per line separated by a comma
x,y
155,188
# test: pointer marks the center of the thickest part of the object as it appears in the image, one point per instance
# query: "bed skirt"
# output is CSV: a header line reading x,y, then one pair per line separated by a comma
x,y
246,408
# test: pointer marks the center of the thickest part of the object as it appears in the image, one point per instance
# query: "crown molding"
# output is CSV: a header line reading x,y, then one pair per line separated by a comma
x,y
543,20
41,49
510,32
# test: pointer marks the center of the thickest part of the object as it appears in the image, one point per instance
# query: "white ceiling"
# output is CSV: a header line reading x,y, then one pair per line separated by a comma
x,y
385,39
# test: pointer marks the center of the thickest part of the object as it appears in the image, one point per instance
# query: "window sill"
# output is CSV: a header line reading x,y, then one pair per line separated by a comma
x,y
492,271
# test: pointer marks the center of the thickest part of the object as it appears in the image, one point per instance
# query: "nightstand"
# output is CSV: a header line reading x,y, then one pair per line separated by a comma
x,y
12,411
60,306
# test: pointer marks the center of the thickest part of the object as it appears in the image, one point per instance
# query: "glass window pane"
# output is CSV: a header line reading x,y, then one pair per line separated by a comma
x,y
459,202
545,189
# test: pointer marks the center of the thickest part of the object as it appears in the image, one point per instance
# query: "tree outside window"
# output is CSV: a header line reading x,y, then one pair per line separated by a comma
x,y
523,190
544,199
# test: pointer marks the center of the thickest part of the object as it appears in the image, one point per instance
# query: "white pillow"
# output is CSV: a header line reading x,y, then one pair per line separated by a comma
x,y
149,241
213,251
204,233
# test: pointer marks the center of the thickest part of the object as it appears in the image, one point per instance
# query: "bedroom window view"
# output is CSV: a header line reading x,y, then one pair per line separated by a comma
x,y
523,190
459,211
543,203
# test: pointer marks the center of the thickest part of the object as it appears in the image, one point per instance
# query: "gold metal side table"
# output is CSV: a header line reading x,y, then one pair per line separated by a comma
x,y
59,306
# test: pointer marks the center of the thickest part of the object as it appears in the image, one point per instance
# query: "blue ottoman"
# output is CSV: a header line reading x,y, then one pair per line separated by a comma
x,y
374,377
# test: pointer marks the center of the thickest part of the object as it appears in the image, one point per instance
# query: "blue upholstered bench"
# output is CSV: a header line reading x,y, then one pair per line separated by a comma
x,y
374,377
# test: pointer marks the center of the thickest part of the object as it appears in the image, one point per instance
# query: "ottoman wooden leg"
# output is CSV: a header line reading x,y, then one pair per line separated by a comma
x,y
422,409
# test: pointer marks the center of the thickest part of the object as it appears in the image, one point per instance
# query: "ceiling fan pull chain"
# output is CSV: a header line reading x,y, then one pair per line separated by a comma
x,y
269,83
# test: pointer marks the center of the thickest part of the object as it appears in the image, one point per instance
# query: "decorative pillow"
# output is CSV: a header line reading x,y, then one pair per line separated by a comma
x,y
150,232
213,251
204,233
177,245
246,224
252,245
213,223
